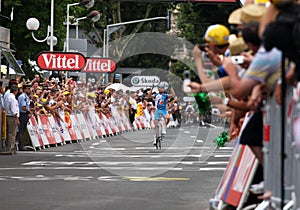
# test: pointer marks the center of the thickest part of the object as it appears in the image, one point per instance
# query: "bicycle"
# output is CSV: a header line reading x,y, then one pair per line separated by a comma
x,y
159,134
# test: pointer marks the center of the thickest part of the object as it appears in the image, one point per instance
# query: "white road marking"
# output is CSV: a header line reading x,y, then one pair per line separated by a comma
x,y
88,163
221,156
94,168
218,163
212,169
226,148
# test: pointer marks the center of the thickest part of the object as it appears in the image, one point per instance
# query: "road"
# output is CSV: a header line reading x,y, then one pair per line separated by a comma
x,y
118,172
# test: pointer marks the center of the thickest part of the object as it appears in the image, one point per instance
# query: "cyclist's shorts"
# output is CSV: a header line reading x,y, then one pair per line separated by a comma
x,y
159,112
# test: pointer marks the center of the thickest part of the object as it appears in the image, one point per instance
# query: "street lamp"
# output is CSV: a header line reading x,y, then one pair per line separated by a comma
x,y
117,26
33,24
94,16
88,4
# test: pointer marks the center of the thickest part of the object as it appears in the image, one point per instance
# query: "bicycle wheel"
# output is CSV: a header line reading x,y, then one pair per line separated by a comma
x,y
158,135
159,143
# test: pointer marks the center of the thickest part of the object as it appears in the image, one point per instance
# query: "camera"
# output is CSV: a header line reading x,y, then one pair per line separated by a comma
x,y
202,47
186,75
215,111
186,81
239,59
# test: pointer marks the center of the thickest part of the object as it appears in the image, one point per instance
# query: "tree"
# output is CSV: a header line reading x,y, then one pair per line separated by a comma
x,y
111,12
193,21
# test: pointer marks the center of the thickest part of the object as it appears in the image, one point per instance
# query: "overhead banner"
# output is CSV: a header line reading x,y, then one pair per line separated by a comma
x,y
100,65
145,81
61,61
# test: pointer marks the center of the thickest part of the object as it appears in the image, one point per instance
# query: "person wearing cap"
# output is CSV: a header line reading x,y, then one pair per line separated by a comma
x,y
12,117
217,42
160,99
25,113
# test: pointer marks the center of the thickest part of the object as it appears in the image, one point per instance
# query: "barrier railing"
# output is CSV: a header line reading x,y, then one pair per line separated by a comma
x,y
272,151
80,126
272,165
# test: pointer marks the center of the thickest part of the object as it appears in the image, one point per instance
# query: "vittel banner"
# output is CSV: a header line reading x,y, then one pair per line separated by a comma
x,y
100,65
61,61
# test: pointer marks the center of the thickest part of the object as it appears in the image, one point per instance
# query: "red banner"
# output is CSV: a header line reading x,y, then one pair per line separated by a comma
x,y
47,129
100,65
61,61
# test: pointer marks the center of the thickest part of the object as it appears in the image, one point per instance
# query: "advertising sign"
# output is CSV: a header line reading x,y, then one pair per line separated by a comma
x,y
60,61
145,81
100,65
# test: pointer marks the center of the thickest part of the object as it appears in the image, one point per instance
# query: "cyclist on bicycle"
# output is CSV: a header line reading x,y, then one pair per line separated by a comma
x,y
189,112
160,99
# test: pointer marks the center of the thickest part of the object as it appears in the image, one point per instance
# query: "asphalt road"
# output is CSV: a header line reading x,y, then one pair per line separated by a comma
x,y
120,172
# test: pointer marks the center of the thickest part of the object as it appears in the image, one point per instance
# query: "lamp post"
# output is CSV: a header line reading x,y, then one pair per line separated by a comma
x,y
117,26
88,4
94,15
33,24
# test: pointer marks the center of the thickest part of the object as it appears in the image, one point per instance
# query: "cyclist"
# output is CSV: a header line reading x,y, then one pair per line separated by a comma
x,y
160,99
189,112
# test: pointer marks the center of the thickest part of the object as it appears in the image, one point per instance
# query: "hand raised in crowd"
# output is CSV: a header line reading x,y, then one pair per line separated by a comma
x,y
229,66
248,57
197,53
214,58
195,87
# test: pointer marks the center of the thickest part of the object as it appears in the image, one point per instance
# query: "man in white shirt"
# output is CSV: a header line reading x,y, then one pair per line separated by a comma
x,y
11,107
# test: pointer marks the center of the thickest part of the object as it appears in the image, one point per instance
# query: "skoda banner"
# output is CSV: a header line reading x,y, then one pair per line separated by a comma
x,y
145,81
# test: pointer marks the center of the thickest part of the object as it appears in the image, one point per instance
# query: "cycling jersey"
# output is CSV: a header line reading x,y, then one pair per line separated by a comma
x,y
161,101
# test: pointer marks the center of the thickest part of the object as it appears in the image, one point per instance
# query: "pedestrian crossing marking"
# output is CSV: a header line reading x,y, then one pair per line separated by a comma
x,y
157,179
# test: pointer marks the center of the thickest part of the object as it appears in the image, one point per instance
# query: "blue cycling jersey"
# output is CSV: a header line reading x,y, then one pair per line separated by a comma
x,y
161,101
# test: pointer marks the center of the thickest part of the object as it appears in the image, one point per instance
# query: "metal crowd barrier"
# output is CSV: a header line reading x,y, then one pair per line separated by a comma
x,y
272,151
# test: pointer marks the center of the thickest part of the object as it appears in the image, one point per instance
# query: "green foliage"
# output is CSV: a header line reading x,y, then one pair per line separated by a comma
x,y
193,20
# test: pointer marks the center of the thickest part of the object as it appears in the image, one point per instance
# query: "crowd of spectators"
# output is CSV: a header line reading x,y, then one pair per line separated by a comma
x,y
248,82
57,96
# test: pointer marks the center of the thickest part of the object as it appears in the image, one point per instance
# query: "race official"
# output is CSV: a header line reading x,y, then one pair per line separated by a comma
x,y
24,107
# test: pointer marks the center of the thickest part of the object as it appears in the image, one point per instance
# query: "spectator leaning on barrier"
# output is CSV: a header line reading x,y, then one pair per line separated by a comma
x,y
25,113
217,42
265,66
12,118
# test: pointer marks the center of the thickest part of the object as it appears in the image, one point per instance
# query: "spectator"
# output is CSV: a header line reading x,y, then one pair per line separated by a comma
x,y
12,118
132,107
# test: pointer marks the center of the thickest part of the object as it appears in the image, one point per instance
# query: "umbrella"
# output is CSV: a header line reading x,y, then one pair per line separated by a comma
x,y
117,86
4,70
